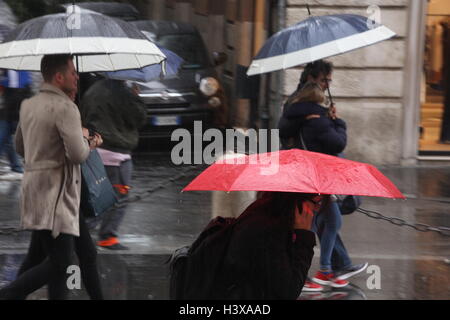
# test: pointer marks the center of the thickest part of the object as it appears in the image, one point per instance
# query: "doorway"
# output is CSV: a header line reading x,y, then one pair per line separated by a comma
x,y
434,123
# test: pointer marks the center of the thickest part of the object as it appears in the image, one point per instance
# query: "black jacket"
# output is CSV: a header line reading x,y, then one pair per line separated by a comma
x,y
262,260
111,109
322,135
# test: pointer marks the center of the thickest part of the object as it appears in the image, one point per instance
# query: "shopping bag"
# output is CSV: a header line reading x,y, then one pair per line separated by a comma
x,y
97,192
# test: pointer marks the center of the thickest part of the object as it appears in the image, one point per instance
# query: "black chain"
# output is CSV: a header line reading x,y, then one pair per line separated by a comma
x,y
443,231
9,230
145,194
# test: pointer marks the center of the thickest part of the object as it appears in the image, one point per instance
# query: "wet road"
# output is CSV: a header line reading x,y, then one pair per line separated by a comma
x,y
411,264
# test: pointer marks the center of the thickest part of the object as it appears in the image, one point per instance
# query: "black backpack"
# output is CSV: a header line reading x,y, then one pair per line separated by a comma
x,y
194,269
177,270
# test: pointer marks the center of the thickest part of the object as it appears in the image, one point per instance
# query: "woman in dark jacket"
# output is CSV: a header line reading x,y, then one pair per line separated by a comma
x,y
307,124
305,117
271,248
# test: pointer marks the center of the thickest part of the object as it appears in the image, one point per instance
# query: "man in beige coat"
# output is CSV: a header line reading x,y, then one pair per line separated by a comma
x,y
53,143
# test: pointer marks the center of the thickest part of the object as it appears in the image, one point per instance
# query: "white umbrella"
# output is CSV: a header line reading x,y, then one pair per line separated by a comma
x,y
100,43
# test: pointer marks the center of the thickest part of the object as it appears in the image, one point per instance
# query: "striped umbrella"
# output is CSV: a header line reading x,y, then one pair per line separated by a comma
x,y
4,30
315,38
100,43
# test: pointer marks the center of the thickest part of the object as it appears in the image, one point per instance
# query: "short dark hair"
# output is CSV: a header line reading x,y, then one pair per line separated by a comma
x,y
53,63
314,69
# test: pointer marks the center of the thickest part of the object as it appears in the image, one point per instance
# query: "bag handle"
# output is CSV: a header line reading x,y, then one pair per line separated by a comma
x,y
302,141
311,116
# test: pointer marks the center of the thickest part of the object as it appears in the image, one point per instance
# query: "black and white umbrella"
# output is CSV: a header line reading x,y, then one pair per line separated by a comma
x,y
100,43
315,38
4,31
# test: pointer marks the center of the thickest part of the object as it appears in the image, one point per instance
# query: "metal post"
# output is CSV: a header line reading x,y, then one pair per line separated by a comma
x,y
414,67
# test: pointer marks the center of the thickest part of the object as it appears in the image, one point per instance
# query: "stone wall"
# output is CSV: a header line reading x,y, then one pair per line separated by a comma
x,y
367,83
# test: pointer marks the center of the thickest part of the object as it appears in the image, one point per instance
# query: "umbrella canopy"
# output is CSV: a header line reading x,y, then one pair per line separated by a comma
x,y
4,30
295,171
315,38
100,42
123,11
146,74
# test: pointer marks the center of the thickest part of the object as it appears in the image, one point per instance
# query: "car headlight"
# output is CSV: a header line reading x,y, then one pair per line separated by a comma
x,y
209,86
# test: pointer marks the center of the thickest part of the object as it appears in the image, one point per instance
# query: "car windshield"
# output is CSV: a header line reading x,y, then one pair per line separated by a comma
x,y
189,47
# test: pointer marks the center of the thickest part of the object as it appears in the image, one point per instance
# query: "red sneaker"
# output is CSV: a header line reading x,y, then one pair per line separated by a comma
x,y
328,279
310,286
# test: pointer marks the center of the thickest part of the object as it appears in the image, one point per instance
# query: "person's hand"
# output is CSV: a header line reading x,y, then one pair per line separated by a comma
x,y
96,141
99,139
303,220
85,133
332,111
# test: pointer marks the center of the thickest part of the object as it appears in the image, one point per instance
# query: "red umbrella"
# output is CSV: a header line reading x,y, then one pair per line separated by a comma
x,y
295,171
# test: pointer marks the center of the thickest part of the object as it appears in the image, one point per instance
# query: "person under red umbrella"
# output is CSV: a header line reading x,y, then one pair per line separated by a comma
x,y
287,171
270,250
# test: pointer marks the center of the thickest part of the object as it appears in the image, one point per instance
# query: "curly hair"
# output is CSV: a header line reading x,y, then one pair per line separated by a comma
x,y
314,69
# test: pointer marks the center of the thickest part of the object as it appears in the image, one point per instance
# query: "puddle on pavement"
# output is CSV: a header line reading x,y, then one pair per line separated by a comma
x,y
127,277
145,277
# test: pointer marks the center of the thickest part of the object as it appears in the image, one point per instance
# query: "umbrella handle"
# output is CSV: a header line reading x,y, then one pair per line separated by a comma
x,y
78,81
329,94
307,7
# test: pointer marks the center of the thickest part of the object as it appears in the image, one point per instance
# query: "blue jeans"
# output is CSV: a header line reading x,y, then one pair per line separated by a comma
x,y
327,223
7,129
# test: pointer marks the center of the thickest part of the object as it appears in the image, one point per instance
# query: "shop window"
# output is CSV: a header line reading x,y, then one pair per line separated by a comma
x,y
435,97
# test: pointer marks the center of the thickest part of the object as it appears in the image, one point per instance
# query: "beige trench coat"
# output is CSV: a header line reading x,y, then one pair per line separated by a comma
x,y
49,137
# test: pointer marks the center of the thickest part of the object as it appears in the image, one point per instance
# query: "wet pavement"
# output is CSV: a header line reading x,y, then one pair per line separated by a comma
x,y
410,264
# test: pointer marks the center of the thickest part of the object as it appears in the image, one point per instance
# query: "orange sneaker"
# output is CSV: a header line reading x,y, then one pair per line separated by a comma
x,y
111,243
